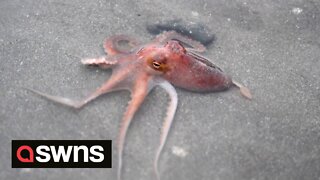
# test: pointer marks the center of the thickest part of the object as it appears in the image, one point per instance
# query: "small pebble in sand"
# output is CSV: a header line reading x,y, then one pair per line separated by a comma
x,y
178,151
296,10
195,13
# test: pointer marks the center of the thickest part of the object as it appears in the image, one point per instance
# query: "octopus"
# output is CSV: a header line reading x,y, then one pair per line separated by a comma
x,y
169,60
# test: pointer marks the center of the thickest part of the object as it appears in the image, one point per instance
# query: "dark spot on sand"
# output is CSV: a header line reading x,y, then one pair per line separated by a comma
x,y
196,31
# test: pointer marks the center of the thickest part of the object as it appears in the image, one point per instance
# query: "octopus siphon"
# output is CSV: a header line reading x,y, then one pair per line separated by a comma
x,y
171,59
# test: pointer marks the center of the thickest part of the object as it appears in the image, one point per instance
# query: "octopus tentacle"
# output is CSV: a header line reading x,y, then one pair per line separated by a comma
x,y
103,62
172,35
111,85
139,92
107,87
112,44
167,122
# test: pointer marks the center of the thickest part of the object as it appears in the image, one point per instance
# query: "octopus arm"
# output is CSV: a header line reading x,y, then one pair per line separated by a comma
x,y
138,93
112,44
113,84
103,62
105,88
167,121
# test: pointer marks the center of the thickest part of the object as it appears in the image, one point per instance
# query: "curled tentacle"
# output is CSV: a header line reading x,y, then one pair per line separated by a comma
x,y
119,44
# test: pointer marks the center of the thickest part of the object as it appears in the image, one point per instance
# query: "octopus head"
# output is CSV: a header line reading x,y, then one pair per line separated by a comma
x,y
162,59
158,62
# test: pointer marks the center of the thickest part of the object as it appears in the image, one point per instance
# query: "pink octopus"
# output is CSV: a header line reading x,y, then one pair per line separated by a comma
x,y
170,59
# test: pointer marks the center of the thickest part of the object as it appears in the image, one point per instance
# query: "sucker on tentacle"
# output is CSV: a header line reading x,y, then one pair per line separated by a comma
x,y
170,59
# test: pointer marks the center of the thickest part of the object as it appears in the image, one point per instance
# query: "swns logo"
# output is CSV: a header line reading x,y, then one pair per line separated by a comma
x,y
61,153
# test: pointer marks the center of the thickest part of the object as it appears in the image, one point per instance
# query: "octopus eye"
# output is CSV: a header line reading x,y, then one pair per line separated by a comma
x,y
156,65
